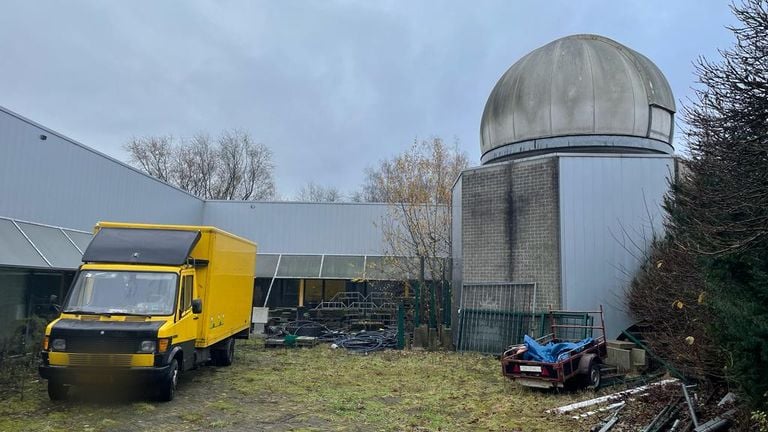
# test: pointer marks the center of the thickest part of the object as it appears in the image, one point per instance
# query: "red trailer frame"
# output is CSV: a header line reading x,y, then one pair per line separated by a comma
x,y
583,363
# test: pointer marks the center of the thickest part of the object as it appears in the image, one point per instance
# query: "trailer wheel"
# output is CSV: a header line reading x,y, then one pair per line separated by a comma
x,y
593,379
168,384
57,391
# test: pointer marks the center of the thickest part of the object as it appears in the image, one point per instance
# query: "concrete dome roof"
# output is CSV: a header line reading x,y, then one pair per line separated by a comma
x,y
578,93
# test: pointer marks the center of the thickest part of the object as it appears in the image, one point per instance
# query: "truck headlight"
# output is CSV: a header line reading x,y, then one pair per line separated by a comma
x,y
148,346
59,345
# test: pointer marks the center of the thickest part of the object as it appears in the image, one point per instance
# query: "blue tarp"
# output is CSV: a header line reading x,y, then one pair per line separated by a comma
x,y
551,352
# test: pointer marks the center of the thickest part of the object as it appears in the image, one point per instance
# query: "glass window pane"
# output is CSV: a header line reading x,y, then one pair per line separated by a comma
x,y
313,292
299,266
53,244
391,268
343,267
265,265
333,287
15,250
81,239
285,293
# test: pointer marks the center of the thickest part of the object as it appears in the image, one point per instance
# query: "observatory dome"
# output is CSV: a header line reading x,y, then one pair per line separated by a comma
x,y
581,93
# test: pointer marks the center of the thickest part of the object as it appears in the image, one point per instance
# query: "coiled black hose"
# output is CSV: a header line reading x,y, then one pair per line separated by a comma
x,y
368,341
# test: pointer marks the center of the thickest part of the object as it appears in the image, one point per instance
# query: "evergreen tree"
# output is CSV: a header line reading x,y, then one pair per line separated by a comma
x,y
721,210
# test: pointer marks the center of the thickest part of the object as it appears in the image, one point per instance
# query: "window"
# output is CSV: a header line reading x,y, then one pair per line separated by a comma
x,y
313,292
123,293
187,283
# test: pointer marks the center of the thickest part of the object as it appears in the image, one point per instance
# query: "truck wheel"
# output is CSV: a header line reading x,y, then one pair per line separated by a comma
x,y
593,379
227,355
168,384
57,391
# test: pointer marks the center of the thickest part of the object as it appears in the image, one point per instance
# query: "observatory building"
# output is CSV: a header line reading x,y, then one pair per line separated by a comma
x,y
576,141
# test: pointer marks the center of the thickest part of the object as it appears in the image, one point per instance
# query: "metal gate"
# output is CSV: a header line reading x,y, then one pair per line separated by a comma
x,y
493,316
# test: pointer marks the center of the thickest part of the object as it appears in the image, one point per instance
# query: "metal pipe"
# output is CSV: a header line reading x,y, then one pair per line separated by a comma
x,y
690,406
269,291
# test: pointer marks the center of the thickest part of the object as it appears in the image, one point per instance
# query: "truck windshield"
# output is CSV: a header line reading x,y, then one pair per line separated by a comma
x,y
123,292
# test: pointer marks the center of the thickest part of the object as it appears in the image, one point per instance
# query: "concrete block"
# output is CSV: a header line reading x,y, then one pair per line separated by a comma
x,y
421,336
620,358
434,339
446,338
626,345
638,357
257,329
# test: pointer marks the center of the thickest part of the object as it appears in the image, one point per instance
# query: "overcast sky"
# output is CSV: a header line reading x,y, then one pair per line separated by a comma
x,y
330,86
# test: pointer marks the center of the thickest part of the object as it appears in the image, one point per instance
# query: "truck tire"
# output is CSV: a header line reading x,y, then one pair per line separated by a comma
x,y
592,378
57,391
225,355
168,384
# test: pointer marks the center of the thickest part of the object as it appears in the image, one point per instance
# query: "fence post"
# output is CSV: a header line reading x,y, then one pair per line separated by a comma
x,y
416,304
446,303
400,326
432,305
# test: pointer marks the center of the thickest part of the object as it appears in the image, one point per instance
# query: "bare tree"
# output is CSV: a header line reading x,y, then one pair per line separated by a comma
x,y
154,155
229,167
313,192
417,185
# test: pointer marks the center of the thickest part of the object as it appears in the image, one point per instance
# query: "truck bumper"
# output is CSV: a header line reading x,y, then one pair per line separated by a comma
x,y
79,375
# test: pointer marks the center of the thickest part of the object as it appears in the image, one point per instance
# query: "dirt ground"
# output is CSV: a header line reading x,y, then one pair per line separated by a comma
x,y
308,389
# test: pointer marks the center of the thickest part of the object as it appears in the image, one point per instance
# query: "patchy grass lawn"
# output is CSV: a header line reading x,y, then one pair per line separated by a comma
x,y
309,389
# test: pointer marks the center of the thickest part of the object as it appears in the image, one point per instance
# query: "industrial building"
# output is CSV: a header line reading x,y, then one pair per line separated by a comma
x,y
54,189
576,142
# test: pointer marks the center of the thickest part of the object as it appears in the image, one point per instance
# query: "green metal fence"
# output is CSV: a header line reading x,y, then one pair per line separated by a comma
x,y
493,316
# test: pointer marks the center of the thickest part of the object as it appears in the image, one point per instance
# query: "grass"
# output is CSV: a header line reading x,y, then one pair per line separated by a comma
x,y
311,389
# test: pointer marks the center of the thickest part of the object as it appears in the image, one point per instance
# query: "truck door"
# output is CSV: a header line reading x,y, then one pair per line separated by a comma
x,y
186,321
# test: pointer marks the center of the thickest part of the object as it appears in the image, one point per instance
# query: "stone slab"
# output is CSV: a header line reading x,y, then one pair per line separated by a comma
x,y
620,344
620,358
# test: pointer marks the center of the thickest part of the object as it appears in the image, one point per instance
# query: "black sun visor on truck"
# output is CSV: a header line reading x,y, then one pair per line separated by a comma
x,y
141,246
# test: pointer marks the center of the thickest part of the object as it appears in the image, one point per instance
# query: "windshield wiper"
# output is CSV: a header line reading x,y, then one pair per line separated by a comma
x,y
132,314
81,312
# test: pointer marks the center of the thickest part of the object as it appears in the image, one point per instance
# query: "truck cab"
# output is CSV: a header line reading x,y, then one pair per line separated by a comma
x,y
148,303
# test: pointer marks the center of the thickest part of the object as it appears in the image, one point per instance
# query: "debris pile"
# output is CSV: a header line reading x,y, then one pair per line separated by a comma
x,y
667,405
309,333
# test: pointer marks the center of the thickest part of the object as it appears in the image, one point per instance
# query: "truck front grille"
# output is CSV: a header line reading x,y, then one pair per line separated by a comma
x,y
111,345
100,360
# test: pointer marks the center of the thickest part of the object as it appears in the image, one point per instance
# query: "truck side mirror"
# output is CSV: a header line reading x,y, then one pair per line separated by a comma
x,y
197,306
54,307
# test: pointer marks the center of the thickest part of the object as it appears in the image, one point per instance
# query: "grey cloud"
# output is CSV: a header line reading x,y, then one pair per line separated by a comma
x,y
330,86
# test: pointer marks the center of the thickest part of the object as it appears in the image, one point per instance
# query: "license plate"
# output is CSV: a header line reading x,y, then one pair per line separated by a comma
x,y
525,368
96,379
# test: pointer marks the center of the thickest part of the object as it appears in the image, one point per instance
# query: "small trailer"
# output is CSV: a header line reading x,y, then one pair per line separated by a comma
x,y
573,363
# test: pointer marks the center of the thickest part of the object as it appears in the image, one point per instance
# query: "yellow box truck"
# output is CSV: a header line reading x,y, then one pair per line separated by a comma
x,y
148,302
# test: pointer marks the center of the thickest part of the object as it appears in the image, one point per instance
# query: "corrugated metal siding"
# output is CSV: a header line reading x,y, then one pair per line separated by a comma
x,y
303,228
60,182
610,209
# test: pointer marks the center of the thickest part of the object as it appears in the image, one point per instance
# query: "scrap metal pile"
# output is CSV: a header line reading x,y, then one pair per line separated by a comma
x,y
667,405
310,333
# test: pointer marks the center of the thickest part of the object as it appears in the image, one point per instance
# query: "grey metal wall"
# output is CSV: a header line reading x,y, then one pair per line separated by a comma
x,y
60,182
610,210
311,228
